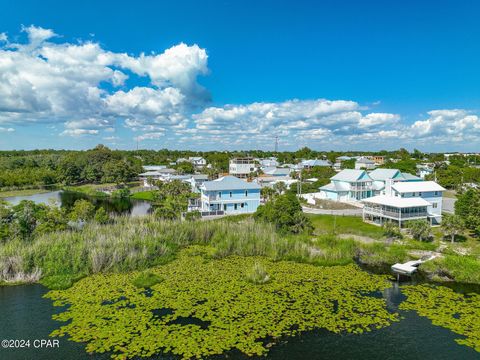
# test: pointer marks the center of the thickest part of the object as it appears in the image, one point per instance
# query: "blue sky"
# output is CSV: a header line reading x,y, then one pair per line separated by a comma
x,y
232,75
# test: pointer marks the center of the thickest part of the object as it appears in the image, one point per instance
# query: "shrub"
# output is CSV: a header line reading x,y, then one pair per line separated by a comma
x,y
258,274
285,212
419,230
391,230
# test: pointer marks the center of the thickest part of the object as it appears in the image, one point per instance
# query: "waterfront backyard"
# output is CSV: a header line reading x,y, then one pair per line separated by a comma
x,y
160,283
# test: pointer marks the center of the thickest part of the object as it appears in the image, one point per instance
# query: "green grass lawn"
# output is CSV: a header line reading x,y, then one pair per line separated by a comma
x,y
27,192
143,195
328,224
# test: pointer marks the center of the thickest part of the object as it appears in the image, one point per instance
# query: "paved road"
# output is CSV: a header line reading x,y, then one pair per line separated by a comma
x,y
348,212
448,205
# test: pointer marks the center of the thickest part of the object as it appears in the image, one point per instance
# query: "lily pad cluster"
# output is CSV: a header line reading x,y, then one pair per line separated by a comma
x,y
446,308
208,306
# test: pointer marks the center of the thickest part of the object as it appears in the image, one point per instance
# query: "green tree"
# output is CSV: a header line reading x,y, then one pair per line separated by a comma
x,y
82,210
267,193
286,213
391,230
419,230
467,207
452,225
101,216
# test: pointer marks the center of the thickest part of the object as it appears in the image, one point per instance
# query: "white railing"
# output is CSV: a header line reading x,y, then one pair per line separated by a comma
x,y
395,214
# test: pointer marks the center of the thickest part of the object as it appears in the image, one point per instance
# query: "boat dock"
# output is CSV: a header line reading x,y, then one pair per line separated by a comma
x,y
410,267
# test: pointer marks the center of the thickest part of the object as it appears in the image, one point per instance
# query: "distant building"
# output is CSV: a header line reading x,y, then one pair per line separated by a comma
x,y
364,163
229,195
276,171
153,167
308,164
424,170
242,167
377,159
198,161
161,174
269,162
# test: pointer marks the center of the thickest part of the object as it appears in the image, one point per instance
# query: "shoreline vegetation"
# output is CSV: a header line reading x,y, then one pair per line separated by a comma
x,y
60,258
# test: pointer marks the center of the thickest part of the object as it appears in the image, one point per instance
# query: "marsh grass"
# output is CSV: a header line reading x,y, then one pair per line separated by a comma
x,y
137,244
328,224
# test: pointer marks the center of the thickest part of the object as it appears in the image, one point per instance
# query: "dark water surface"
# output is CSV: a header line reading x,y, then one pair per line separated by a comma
x,y
117,206
24,314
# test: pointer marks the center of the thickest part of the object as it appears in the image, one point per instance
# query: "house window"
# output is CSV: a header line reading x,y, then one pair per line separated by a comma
x,y
419,194
436,193
413,194
230,194
235,206
219,194
224,207
434,205
246,193
241,205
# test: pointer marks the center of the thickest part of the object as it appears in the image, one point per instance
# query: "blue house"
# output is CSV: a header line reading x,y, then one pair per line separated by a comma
x,y
230,195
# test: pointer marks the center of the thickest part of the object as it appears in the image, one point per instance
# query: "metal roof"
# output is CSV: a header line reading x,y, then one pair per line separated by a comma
x,y
417,186
383,174
229,183
350,175
396,201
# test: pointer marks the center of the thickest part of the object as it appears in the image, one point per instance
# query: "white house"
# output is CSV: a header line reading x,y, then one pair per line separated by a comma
x,y
268,162
353,185
348,185
364,163
229,195
161,174
198,161
405,200
308,164
242,167
423,170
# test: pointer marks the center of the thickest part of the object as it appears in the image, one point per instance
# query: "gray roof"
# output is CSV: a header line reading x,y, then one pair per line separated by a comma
x,y
200,177
277,171
408,176
350,175
228,183
344,157
365,160
315,162
335,186
383,174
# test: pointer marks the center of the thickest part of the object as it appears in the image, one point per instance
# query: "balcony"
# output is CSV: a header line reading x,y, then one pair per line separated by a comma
x,y
395,214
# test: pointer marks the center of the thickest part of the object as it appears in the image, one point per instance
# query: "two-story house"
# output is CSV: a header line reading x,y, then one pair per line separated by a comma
x,y
348,185
405,200
242,167
197,161
230,195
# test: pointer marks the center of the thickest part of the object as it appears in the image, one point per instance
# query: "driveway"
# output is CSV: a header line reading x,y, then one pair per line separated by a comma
x,y
344,212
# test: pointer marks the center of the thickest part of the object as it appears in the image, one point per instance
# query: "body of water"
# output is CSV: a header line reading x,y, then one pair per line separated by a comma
x,y
117,206
25,314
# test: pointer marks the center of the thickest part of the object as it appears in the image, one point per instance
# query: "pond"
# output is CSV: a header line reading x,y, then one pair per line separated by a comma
x,y
117,206
26,315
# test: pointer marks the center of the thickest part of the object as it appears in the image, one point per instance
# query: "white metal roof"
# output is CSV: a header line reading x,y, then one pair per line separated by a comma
x,y
417,186
350,175
396,201
383,174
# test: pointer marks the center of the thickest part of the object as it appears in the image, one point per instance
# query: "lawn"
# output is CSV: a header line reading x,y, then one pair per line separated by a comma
x,y
26,192
143,195
329,224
